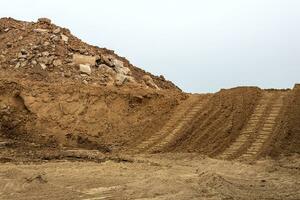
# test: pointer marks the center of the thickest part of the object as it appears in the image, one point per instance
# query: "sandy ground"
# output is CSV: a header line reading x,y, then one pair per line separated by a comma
x,y
160,176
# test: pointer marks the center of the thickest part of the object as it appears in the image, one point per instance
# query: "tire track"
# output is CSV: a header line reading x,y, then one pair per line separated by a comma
x,y
250,129
184,113
183,123
266,131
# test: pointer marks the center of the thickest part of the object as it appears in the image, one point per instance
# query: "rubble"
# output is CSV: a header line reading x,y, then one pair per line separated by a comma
x,y
83,59
86,69
55,53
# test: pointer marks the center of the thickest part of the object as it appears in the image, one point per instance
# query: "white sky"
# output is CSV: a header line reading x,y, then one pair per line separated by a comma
x,y
202,46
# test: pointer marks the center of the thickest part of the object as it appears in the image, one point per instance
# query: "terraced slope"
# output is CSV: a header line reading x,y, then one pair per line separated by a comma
x,y
258,129
182,115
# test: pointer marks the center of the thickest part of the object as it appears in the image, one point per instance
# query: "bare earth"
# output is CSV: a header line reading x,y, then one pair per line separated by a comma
x,y
80,122
161,176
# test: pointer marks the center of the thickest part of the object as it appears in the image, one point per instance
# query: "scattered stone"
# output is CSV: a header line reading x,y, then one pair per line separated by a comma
x,y
23,64
120,79
86,69
45,53
43,66
6,30
85,82
8,45
40,30
20,38
64,38
34,62
46,43
56,31
44,20
57,63
149,82
82,59
68,74
17,65
108,60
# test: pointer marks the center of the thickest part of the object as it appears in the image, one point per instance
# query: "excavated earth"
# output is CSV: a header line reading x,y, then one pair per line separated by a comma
x,y
80,122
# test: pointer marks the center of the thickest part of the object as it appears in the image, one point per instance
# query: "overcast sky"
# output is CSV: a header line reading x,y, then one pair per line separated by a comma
x,y
202,46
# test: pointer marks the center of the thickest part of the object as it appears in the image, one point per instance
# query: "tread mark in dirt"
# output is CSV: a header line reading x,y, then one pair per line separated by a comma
x,y
266,131
181,124
249,129
261,134
182,115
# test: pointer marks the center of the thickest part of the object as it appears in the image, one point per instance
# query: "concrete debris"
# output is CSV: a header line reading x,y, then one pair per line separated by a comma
x,y
56,31
43,66
82,59
86,69
57,63
48,52
64,38
40,30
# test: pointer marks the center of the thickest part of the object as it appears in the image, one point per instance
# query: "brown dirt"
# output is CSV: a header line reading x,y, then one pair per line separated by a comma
x,y
147,139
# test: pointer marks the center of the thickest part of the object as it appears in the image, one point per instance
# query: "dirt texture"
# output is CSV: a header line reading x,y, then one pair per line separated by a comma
x,y
80,122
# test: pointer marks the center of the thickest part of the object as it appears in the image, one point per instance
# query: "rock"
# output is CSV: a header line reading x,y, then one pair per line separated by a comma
x,y
23,64
64,38
68,74
123,70
34,62
85,82
108,59
56,31
40,30
46,43
86,69
120,79
8,45
107,70
149,82
82,59
43,66
17,65
45,53
44,20
6,30
57,63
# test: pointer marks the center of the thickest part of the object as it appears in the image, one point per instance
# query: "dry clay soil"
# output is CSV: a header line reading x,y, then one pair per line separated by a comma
x,y
69,137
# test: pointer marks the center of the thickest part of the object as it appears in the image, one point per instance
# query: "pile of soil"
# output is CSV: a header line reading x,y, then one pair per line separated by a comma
x,y
45,52
288,136
56,90
219,124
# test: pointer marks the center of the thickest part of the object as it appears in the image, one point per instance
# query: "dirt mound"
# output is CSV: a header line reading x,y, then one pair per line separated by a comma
x,y
218,122
43,51
80,115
